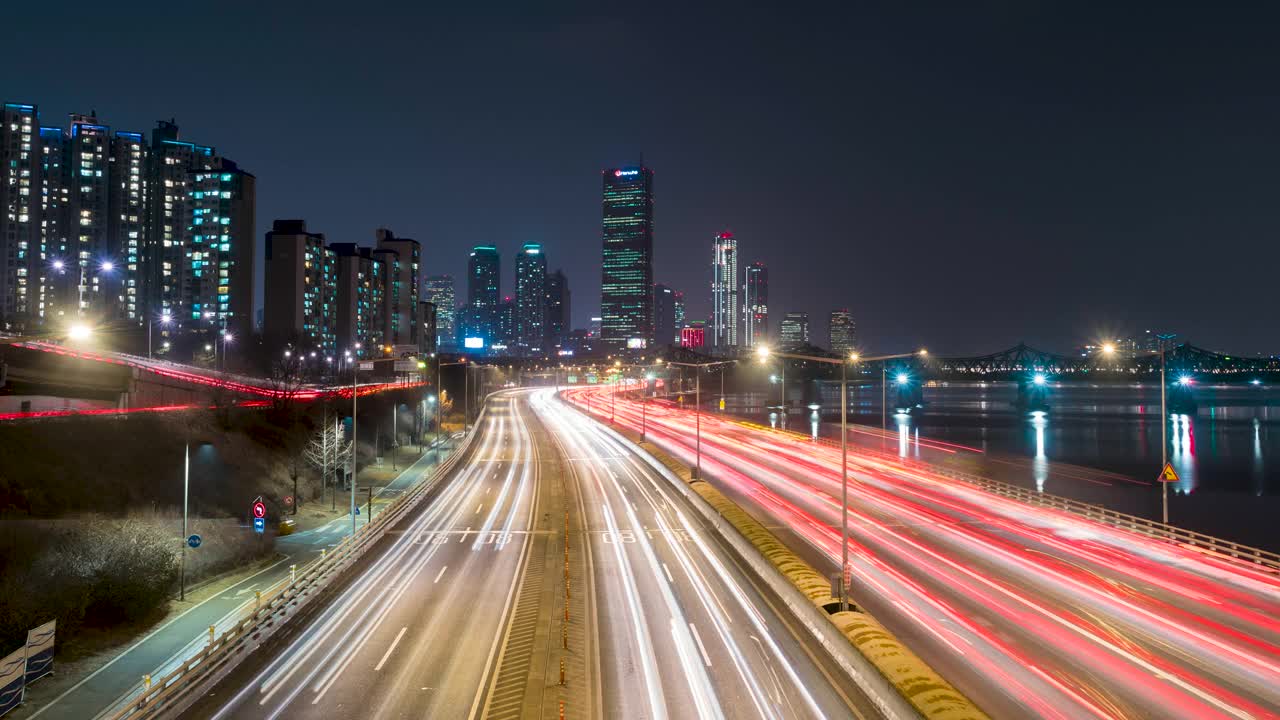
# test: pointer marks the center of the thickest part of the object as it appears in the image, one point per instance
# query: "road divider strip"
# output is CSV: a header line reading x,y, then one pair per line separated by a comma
x,y
896,680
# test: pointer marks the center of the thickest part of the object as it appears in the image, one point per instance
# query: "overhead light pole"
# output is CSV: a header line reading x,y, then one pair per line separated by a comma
x,y
1110,349
764,352
697,402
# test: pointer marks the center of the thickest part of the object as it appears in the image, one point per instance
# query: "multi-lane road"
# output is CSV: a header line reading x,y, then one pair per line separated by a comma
x,y
1030,611
428,628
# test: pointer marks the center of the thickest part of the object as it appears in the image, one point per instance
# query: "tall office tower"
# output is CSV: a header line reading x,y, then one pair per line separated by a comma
x,y
840,332
483,280
427,333
402,289
531,300
127,221
664,315
55,222
439,291
793,331
558,311
626,286
300,304
219,285
755,305
361,299
20,187
678,303
724,292
505,325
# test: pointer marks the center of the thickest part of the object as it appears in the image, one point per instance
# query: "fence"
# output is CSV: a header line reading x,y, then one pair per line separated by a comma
x,y
274,607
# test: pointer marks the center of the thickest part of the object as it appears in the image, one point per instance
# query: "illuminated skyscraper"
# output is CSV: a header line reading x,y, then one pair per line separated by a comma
x,y
439,290
483,279
793,331
127,220
724,292
840,332
361,296
626,287
531,300
558,311
678,303
664,316
755,306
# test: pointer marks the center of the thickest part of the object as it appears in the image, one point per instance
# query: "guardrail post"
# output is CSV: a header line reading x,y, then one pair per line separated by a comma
x,y
293,574
212,634
146,683
257,601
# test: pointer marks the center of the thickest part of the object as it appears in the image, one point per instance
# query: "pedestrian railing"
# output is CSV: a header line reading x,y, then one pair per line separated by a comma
x,y
1260,559
273,608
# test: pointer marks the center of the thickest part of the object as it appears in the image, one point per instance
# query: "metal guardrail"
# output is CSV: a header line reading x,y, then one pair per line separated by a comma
x,y
277,605
1262,559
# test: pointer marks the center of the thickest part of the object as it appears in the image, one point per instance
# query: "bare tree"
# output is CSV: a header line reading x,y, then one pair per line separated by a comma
x,y
327,450
286,379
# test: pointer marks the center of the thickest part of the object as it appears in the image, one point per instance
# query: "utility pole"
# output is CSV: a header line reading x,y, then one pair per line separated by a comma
x,y
1164,441
355,441
186,483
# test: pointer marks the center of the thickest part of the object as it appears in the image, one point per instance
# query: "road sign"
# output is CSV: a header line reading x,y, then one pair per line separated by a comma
x,y
288,499
357,509
410,365
368,365
194,541
259,525
1168,474
259,510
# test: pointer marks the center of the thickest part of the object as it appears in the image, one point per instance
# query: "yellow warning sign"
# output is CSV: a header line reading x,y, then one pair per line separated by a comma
x,y
1168,474
722,403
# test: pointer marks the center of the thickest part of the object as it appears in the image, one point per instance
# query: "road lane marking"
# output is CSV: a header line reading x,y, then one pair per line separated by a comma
x,y
465,533
394,643
701,648
668,572
446,567
477,512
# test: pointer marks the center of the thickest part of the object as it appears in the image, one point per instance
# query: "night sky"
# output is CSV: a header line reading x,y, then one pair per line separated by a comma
x,y
959,177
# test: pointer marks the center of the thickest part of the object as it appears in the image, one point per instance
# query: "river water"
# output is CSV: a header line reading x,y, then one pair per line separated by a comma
x,y
1096,443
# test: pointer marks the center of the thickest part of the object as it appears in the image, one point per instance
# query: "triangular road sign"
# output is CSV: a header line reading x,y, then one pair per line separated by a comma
x,y
1168,474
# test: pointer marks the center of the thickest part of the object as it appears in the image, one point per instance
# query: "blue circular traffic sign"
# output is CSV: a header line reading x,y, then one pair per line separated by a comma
x,y
194,541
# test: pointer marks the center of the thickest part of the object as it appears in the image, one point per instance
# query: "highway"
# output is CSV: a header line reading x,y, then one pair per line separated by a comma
x,y
1030,611
683,631
675,629
416,632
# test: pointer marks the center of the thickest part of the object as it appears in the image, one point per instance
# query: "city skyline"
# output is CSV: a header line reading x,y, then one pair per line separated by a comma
x,y
1015,195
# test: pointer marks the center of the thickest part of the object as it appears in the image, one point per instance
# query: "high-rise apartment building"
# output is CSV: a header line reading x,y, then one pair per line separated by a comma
x,y
840,332
90,258
439,291
504,334
300,303
483,278
49,270
401,326
530,300
626,287
793,331
218,285
558,311
361,297
664,316
755,305
20,198
127,220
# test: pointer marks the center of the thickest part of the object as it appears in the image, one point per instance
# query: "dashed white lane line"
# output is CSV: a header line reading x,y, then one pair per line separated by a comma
x,y
667,570
394,643
446,567
701,648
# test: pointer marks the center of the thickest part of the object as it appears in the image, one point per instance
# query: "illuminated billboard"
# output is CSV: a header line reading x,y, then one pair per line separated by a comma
x,y
473,343
635,343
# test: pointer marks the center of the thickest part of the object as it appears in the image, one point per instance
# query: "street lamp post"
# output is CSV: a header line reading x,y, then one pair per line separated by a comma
x,y
1109,349
186,483
764,353
355,442
697,410
164,320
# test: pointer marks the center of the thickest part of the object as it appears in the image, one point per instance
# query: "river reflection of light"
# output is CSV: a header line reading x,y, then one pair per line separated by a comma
x,y
904,433
1258,475
1040,465
1183,457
